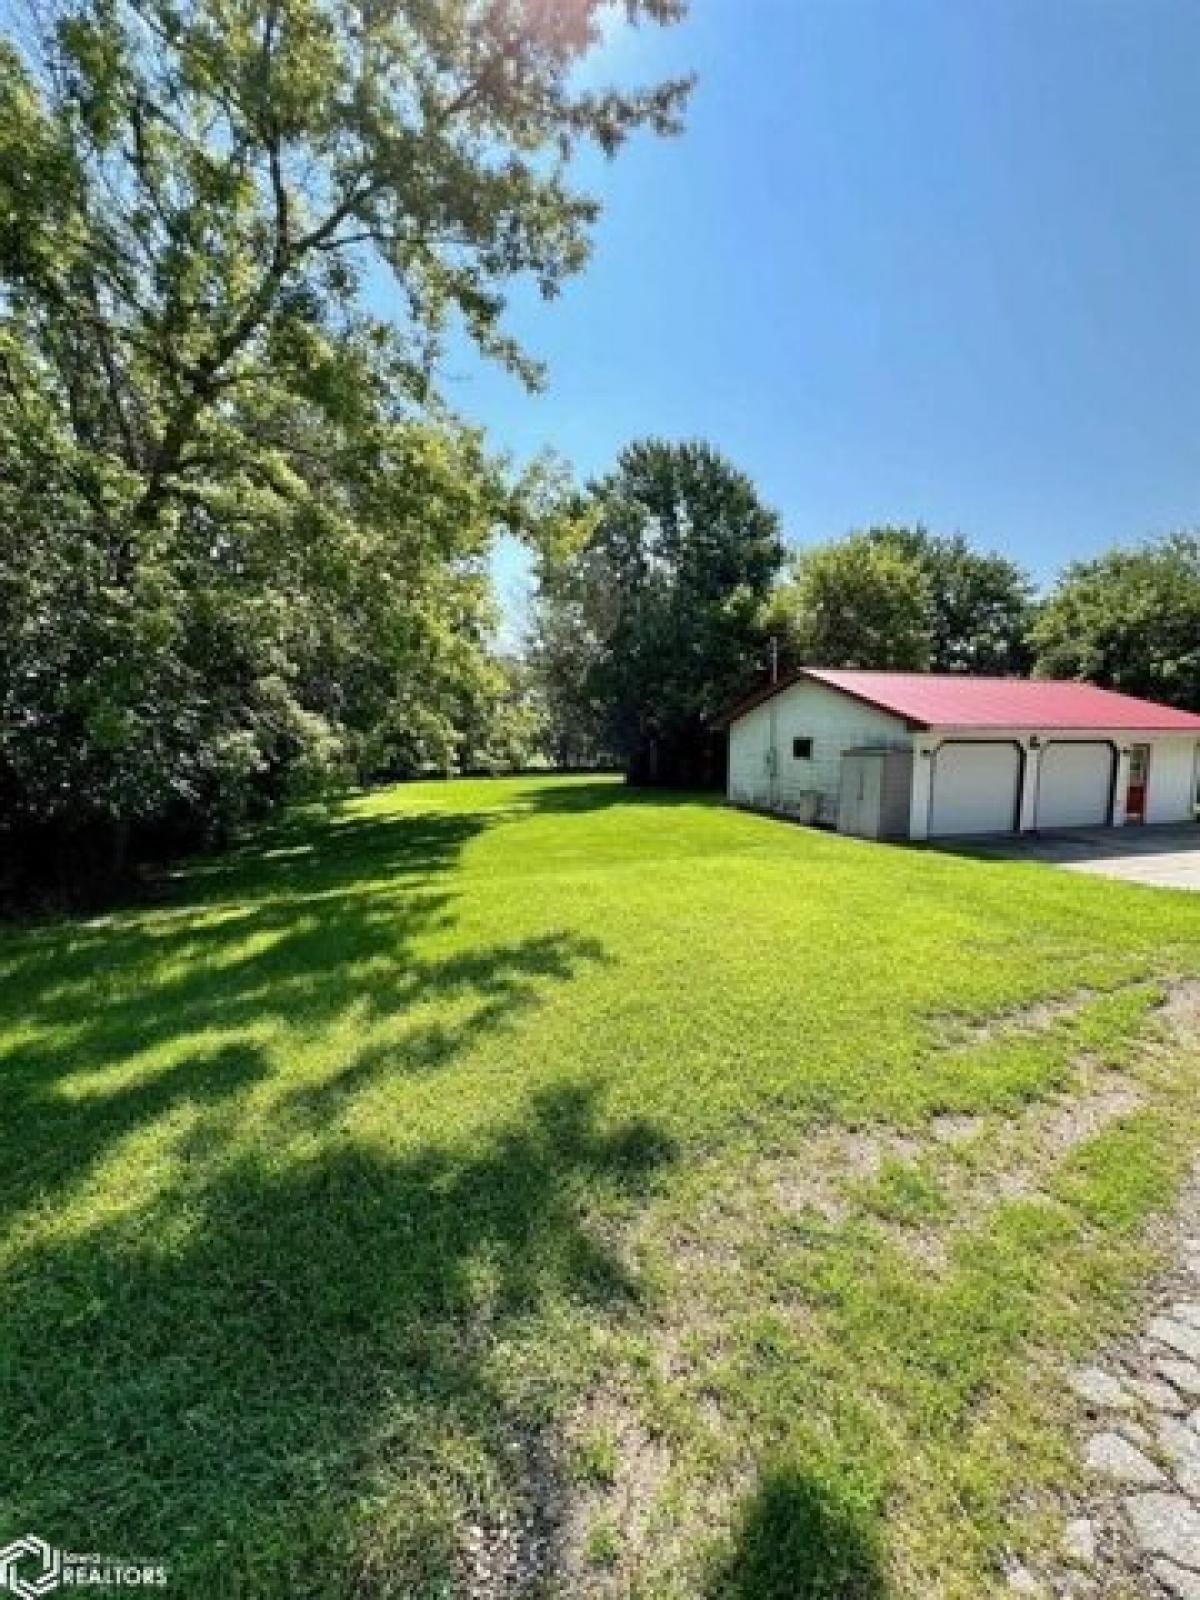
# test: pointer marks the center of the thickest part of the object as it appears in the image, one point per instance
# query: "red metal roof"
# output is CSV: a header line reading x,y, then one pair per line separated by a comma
x,y
953,700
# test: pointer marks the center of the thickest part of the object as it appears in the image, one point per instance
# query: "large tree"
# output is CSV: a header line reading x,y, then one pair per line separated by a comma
x,y
1130,619
855,602
649,629
979,603
573,619
238,530
898,597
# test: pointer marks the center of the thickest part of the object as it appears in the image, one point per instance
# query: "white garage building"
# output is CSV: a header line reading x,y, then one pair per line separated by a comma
x,y
923,755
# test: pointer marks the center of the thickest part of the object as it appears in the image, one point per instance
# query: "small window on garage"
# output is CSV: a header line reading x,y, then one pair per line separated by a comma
x,y
802,749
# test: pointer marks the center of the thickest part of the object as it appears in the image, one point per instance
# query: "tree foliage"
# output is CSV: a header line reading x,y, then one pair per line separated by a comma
x,y
1130,619
903,598
979,603
574,620
645,632
504,728
244,546
855,602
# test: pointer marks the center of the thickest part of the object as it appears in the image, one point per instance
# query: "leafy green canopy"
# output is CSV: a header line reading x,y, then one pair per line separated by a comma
x,y
903,598
242,542
979,603
1129,619
855,602
655,624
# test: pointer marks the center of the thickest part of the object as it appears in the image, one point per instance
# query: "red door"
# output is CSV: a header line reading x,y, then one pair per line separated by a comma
x,y
1135,794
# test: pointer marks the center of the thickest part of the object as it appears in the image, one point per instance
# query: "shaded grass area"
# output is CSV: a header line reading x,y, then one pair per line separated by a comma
x,y
349,1174
797,1535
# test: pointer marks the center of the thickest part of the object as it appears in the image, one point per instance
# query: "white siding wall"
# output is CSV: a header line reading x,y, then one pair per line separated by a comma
x,y
834,722
1170,793
749,773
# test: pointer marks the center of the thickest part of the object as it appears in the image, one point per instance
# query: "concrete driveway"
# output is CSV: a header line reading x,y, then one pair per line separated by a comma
x,y
1166,855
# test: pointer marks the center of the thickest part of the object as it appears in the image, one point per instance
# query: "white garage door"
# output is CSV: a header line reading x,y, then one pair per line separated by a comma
x,y
974,788
1074,784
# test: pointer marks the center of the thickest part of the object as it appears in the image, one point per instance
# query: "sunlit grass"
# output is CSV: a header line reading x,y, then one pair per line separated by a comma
x,y
567,1165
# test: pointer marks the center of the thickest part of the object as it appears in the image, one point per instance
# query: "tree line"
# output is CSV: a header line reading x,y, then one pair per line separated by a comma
x,y
682,595
243,541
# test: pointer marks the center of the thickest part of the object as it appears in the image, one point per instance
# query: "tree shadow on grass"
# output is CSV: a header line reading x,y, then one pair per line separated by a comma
x,y
606,794
802,1537
199,1032
288,1351
390,872
148,1012
303,1376
286,925
321,850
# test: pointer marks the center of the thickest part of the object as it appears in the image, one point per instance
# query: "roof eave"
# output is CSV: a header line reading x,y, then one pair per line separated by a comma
x,y
1130,731
768,692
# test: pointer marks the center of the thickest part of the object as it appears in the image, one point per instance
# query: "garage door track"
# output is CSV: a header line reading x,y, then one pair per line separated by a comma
x,y
1167,856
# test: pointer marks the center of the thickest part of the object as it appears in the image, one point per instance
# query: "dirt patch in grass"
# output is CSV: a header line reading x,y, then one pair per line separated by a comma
x,y
925,1185
820,1178
956,1031
978,1160
1017,1164
505,1554
953,1127
619,1469
1076,1120
923,1189
926,1192
1181,1009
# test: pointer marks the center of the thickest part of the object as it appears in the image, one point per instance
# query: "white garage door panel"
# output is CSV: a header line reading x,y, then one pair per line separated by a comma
x,y
1074,785
974,788
1174,777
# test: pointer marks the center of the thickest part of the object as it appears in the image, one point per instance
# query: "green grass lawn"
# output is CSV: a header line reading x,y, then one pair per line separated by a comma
x,y
534,1187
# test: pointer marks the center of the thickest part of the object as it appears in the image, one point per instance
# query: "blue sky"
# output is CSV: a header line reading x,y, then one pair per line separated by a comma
x,y
931,260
